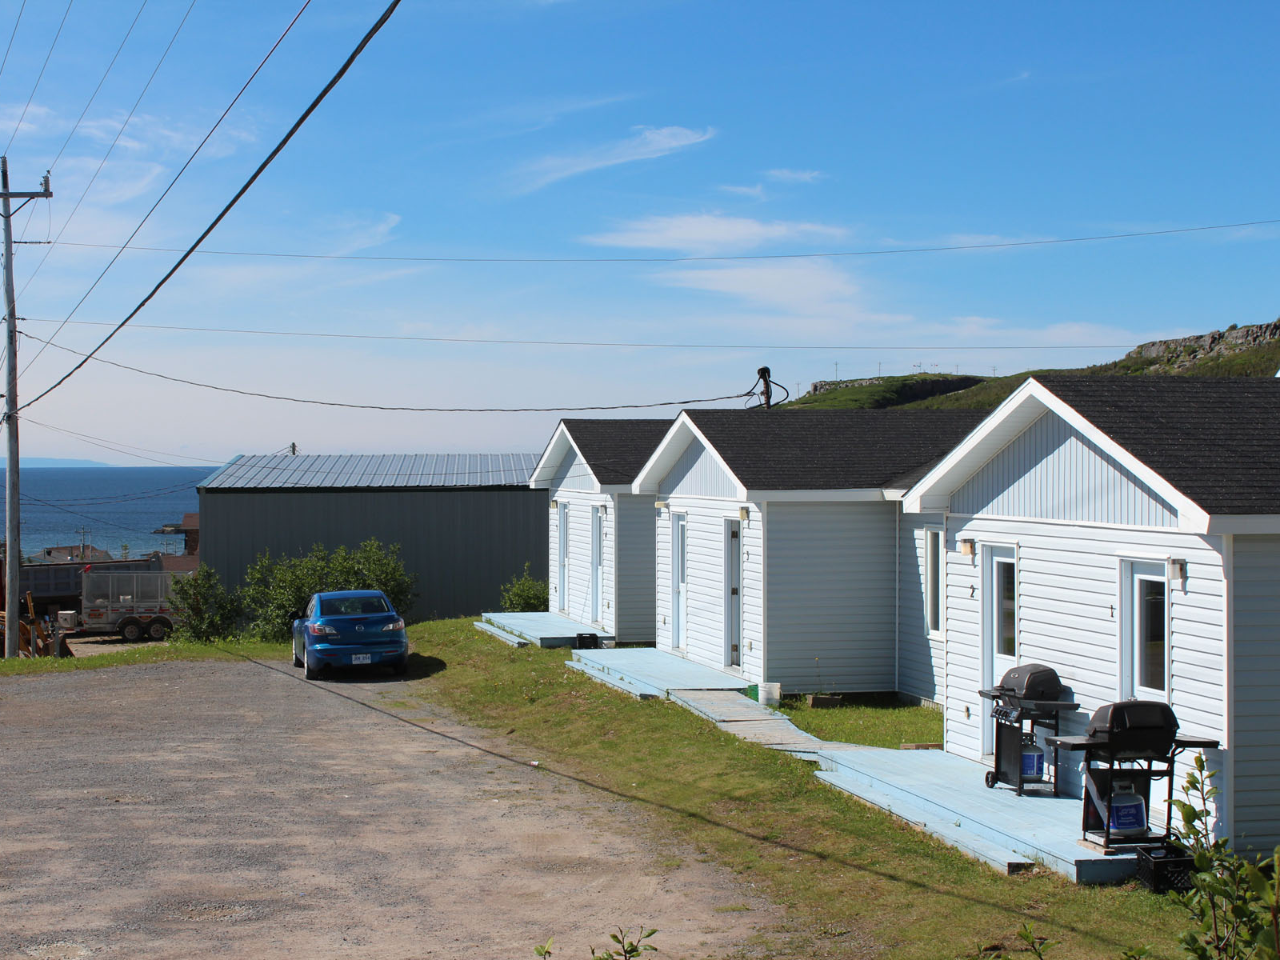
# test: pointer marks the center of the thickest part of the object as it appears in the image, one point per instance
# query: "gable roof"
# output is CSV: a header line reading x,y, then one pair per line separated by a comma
x,y
1209,445
1217,439
797,450
613,450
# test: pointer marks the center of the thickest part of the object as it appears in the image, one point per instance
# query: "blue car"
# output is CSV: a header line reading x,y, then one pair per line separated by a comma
x,y
349,628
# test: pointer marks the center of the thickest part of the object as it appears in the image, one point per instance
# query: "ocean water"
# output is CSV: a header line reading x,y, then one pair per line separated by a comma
x,y
118,506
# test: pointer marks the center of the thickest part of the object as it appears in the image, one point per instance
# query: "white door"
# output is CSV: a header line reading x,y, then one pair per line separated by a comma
x,y
597,563
733,593
999,623
562,522
679,579
1144,655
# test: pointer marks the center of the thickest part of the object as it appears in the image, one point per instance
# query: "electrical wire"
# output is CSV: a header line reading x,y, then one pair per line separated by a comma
x,y
177,176
872,252
614,344
86,357
27,498
119,133
93,96
40,76
5,62
297,125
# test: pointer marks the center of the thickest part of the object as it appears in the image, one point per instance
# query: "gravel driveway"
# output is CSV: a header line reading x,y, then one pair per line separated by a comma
x,y
232,809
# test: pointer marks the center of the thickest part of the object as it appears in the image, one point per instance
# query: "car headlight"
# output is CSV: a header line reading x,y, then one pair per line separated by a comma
x,y
393,625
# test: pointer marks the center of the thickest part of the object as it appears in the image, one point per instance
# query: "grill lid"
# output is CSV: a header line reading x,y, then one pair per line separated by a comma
x,y
1031,681
1135,729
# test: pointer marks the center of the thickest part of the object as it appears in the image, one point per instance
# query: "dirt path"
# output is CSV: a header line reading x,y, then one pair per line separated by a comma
x,y
230,809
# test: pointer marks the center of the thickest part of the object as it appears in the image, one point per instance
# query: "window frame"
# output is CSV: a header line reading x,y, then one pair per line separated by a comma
x,y
935,572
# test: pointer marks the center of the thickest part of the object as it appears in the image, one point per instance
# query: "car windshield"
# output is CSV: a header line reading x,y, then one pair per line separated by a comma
x,y
346,606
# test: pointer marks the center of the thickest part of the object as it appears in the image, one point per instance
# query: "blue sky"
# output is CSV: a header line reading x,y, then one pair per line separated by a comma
x,y
593,129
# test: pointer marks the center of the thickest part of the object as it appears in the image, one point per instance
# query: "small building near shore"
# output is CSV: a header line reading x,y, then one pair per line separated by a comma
x,y
466,523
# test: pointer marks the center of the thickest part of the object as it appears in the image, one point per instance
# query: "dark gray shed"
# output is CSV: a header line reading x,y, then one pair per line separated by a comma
x,y
466,523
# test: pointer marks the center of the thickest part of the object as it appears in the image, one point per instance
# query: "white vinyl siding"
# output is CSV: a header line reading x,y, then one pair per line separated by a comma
x,y
1069,610
1256,746
697,474
572,474
831,582
632,548
1053,472
705,611
576,604
921,665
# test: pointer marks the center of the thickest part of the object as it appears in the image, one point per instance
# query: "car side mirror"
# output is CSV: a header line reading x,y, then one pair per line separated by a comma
x,y
295,615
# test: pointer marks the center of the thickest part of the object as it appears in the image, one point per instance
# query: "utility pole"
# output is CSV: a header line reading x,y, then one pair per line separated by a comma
x,y
12,517
84,539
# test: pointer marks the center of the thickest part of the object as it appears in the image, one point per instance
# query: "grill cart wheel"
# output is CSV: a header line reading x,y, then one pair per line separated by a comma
x,y
990,779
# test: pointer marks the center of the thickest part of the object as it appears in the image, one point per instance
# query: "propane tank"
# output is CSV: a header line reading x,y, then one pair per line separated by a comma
x,y
1032,763
1128,811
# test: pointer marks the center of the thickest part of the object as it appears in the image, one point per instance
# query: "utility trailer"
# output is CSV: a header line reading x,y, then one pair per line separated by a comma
x,y
134,605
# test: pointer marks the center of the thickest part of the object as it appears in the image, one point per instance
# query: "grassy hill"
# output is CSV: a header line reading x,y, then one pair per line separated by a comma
x,y
1244,352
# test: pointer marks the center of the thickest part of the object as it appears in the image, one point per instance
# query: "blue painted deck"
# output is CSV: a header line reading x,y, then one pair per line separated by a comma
x,y
536,629
945,795
652,672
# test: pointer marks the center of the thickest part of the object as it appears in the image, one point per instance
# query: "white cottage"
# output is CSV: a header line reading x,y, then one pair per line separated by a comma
x,y
1126,532
777,539
601,545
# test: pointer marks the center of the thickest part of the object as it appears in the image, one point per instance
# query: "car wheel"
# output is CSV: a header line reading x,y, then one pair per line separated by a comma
x,y
297,660
157,630
131,631
309,669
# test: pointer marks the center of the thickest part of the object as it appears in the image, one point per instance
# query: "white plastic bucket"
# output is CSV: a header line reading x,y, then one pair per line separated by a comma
x,y
770,694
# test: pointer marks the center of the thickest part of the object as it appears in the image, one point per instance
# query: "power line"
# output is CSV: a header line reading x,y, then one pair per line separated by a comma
x,y
5,62
86,357
617,344
176,176
119,133
40,76
93,96
297,125
872,252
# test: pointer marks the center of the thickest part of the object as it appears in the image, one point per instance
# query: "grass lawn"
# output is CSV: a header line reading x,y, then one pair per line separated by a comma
x,y
173,650
855,881
876,721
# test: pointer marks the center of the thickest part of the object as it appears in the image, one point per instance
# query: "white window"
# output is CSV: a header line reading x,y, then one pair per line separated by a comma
x,y
1006,608
933,558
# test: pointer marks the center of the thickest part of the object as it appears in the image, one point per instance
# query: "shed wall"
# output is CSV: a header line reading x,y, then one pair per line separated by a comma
x,y
831,581
576,604
462,544
921,656
635,581
1256,745
1051,471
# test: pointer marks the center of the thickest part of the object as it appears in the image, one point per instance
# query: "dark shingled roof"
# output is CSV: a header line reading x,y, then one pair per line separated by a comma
x,y
1217,439
832,449
615,450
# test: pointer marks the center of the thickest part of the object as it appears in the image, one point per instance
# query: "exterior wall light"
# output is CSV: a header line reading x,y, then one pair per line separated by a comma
x,y
967,548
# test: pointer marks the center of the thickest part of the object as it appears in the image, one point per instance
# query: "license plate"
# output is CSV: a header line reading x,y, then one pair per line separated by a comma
x,y
361,658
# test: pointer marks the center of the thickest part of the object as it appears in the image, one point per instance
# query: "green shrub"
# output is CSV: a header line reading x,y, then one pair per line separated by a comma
x,y
526,594
205,609
274,589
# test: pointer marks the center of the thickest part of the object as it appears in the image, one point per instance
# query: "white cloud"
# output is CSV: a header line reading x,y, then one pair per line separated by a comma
x,y
795,176
756,192
648,143
811,288
706,234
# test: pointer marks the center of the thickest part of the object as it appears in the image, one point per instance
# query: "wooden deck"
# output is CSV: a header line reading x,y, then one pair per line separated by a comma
x,y
535,629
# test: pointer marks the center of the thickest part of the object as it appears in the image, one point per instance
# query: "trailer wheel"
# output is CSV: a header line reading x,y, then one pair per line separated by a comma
x,y
131,631
158,630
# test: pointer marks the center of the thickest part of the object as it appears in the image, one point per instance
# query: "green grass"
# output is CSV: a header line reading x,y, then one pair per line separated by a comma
x,y
889,392
880,720
173,650
852,879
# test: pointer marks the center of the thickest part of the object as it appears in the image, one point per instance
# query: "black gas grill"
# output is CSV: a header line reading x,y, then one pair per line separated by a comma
x,y
1127,747
1027,697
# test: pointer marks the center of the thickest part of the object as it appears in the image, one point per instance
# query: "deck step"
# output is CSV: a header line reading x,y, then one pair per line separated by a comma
x,y
1005,860
500,634
640,691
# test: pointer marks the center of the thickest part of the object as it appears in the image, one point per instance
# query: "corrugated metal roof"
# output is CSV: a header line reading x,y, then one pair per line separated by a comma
x,y
357,471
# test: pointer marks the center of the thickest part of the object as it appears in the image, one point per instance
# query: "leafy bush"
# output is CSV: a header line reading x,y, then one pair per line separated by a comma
x,y
526,594
276,588
1234,909
206,610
